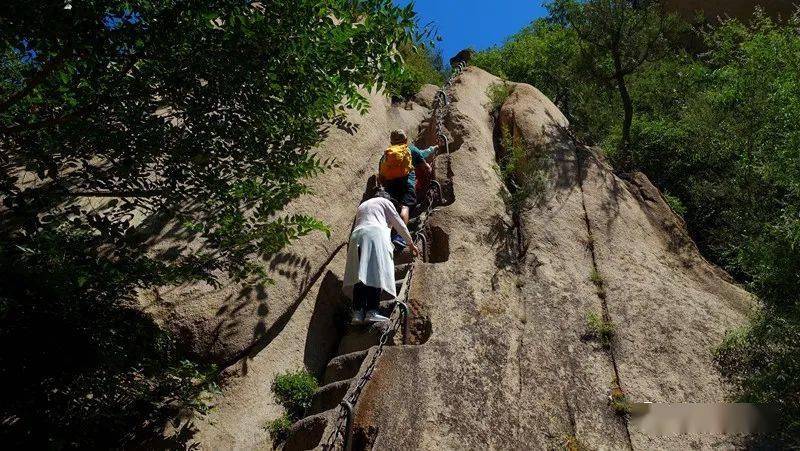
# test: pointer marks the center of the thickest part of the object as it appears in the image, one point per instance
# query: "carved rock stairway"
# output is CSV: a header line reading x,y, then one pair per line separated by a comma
x,y
360,346
341,372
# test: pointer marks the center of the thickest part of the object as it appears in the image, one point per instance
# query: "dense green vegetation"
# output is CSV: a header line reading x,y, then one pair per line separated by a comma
x,y
718,129
293,390
421,65
120,117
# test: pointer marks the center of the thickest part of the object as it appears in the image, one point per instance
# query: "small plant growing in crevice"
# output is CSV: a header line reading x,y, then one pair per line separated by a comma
x,y
599,283
293,390
596,278
618,400
571,443
279,428
599,329
498,93
524,172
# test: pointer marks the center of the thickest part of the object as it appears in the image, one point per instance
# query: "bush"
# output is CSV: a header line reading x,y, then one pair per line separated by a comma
x,y
761,360
279,428
498,94
600,330
293,390
87,369
524,171
675,204
421,65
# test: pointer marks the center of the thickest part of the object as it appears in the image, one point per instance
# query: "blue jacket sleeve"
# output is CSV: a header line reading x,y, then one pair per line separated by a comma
x,y
419,155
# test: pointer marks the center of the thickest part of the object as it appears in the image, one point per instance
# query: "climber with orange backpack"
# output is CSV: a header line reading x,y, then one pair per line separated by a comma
x,y
396,173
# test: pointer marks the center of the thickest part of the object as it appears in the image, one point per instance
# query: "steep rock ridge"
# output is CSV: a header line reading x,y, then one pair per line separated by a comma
x,y
223,323
303,308
506,365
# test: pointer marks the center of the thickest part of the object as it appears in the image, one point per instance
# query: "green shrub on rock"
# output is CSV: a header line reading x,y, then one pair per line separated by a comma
x,y
279,428
293,390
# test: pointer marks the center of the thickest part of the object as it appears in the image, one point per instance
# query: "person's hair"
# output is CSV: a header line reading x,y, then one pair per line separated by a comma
x,y
398,137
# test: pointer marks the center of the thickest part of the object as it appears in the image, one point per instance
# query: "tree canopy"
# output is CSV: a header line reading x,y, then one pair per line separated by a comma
x,y
118,116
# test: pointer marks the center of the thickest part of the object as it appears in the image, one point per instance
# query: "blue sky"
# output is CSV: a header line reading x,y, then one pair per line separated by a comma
x,y
475,23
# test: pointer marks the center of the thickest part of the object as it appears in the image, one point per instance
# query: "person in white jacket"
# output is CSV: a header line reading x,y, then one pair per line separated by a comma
x,y
369,273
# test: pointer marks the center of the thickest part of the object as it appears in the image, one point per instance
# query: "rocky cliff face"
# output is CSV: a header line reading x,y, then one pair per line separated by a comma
x,y
225,323
507,365
505,362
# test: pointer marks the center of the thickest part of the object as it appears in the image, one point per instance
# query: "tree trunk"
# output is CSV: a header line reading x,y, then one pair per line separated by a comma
x,y
627,105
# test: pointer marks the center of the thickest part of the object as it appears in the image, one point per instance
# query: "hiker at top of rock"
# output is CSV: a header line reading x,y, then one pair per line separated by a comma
x,y
396,173
370,266
462,57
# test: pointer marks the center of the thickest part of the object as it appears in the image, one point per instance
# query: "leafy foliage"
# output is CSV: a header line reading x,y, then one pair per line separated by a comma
x,y
616,37
547,56
293,390
599,329
421,65
279,428
524,169
498,93
618,400
118,119
761,360
675,204
223,121
596,278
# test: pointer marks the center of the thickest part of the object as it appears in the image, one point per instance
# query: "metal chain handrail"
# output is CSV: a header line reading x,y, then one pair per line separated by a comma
x,y
343,421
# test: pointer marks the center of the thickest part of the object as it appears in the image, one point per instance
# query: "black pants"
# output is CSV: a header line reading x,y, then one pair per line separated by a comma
x,y
365,298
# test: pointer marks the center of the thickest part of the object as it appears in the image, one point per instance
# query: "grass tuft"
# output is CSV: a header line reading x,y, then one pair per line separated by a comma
x,y
599,329
571,443
619,401
498,94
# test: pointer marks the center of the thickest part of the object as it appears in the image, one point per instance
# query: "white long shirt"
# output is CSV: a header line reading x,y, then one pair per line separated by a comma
x,y
380,212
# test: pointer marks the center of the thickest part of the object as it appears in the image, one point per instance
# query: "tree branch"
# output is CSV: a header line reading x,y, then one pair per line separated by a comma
x,y
142,193
36,80
14,129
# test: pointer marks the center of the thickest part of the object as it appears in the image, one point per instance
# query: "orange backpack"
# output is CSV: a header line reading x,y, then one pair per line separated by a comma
x,y
396,162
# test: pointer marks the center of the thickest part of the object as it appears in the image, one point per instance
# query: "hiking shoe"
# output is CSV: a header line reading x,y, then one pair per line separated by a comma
x,y
399,242
374,317
358,317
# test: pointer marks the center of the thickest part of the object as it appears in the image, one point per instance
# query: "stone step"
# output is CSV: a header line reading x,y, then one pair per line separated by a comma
x,y
308,432
361,337
328,396
387,307
400,271
343,367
